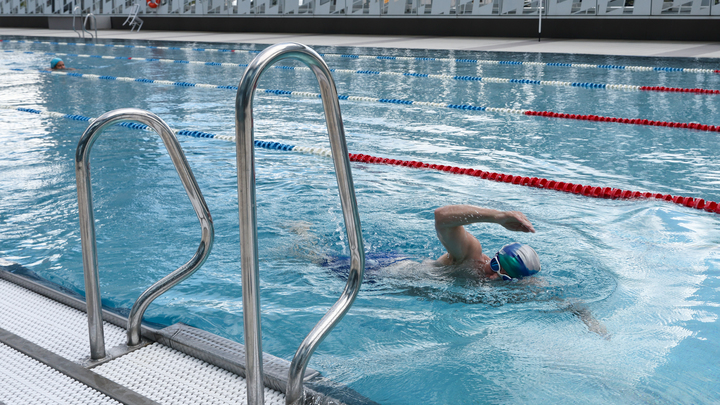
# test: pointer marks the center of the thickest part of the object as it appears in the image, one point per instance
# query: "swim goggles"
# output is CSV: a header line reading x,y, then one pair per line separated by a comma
x,y
495,266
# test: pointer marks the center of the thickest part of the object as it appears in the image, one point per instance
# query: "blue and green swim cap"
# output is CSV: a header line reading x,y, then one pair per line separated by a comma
x,y
518,260
54,62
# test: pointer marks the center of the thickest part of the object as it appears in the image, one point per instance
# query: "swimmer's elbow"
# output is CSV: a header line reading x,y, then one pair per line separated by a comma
x,y
441,216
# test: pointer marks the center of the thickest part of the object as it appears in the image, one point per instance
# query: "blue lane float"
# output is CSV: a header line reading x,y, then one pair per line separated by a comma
x,y
182,132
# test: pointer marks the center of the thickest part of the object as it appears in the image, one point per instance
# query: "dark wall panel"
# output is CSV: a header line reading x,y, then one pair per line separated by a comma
x,y
664,29
581,28
23,21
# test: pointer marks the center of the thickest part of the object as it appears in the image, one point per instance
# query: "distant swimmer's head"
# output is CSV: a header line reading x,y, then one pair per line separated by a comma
x,y
57,63
515,261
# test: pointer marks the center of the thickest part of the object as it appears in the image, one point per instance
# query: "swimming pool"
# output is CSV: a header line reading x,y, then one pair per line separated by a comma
x,y
646,269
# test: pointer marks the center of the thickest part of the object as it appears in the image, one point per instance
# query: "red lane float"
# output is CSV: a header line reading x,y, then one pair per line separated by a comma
x,y
635,121
679,90
580,189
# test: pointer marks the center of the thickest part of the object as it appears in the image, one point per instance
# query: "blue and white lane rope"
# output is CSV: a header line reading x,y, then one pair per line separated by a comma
x,y
382,57
466,107
579,189
587,85
184,132
133,58
298,94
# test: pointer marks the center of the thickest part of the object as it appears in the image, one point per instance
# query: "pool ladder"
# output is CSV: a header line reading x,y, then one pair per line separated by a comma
x,y
294,394
84,24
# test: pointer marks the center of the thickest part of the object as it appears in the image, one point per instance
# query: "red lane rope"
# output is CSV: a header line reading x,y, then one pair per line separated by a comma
x,y
537,182
680,89
635,121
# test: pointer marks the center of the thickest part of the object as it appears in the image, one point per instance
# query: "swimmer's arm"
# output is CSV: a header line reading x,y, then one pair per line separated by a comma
x,y
591,322
454,216
450,219
584,314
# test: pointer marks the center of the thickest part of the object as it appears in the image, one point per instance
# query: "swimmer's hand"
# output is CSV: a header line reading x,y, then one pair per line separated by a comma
x,y
593,325
514,221
298,227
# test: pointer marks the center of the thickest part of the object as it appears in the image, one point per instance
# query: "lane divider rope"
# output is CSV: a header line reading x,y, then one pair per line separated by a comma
x,y
383,57
131,125
536,182
586,85
465,107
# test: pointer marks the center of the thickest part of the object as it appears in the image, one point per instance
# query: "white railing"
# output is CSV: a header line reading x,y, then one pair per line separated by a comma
x,y
373,7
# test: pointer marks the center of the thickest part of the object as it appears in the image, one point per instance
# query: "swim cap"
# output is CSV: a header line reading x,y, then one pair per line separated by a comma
x,y
518,260
54,62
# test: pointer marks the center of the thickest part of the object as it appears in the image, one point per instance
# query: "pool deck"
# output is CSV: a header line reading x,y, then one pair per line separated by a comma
x,y
684,49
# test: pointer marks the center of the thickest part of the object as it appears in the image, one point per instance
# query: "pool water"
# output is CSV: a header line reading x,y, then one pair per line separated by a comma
x,y
625,309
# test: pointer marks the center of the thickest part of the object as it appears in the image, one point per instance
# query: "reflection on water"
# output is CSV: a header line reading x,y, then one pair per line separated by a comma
x,y
626,301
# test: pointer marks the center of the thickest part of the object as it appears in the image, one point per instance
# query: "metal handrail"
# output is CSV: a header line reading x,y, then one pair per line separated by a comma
x,y
85,23
87,225
73,22
248,218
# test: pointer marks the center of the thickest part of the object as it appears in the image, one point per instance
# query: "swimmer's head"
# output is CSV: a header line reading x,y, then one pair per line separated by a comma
x,y
516,261
54,63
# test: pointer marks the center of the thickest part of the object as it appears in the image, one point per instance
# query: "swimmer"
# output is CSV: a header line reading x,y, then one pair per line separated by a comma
x,y
464,252
58,64
464,257
511,263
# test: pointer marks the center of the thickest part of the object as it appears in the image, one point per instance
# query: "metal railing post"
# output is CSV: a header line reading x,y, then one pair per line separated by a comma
x,y
248,218
94,21
87,225
73,21
540,13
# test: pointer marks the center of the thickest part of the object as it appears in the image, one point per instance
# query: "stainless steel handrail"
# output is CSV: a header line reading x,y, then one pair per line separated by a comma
x,y
85,23
73,21
248,218
87,225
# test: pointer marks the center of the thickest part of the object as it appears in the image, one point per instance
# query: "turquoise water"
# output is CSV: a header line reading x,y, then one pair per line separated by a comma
x,y
647,271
